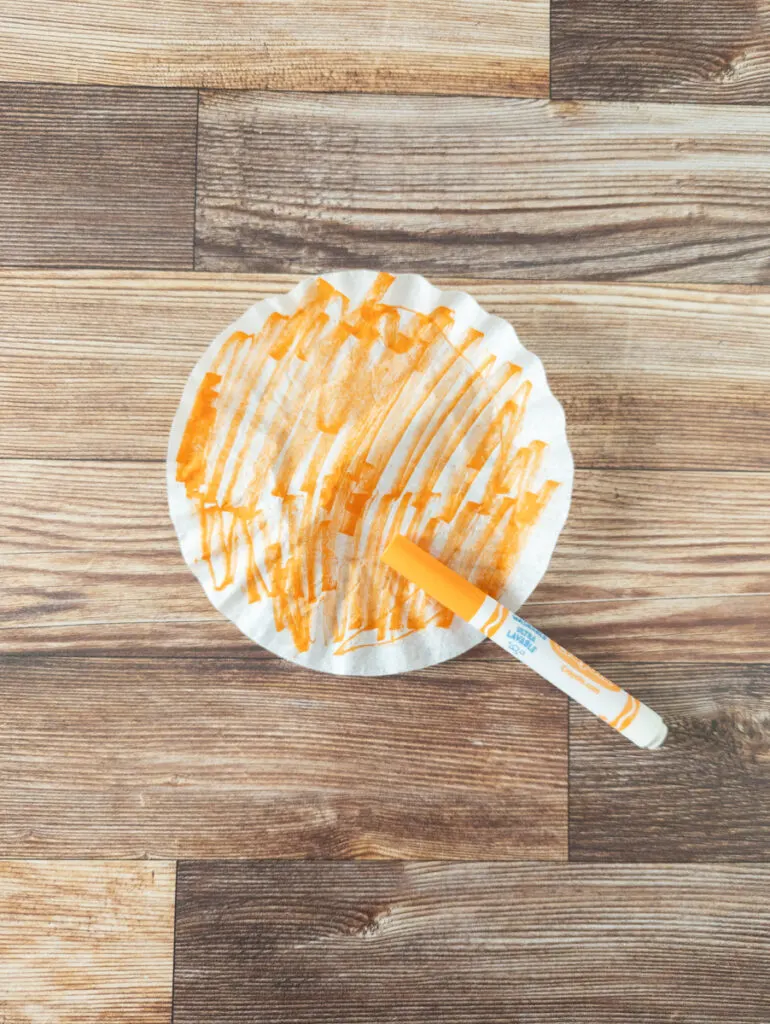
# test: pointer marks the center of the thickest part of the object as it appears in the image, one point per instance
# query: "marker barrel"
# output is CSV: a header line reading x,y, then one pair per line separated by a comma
x,y
629,716
613,705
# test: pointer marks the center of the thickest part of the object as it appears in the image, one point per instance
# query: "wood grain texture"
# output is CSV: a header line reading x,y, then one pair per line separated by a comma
x,y
664,50
496,47
662,377
483,187
85,943
217,758
652,566
629,534
96,176
471,943
90,561
44,608
705,796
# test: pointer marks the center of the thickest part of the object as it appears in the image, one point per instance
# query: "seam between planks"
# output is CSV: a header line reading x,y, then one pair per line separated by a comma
x,y
174,929
569,782
582,467
195,179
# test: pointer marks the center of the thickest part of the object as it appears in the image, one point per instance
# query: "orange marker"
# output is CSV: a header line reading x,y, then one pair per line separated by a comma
x,y
629,716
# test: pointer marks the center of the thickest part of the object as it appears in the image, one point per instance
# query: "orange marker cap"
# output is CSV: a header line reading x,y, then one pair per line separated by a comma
x,y
435,578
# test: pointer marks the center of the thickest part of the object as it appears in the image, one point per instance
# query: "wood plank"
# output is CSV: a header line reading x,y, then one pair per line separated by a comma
x,y
90,560
80,602
86,942
699,629
96,176
661,534
497,47
111,577
664,50
705,796
218,758
634,365
483,187
472,943
630,533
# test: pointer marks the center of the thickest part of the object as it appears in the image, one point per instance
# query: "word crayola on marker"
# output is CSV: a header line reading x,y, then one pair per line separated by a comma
x,y
615,706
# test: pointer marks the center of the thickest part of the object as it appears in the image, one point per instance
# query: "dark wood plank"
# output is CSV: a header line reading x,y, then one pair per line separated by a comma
x,y
90,561
497,47
96,176
471,943
634,365
705,796
664,50
483,187
215,758
85,942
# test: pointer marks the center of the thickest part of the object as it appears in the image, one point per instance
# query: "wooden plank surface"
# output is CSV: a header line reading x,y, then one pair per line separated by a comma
x,y
662,50
705,796
471,943
90,560
86,942
666,565
657,377
495,47
48,617
483,187
219,758
630,533
96,176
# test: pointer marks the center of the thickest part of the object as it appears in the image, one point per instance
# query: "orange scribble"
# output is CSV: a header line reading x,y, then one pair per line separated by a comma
x,y
314,441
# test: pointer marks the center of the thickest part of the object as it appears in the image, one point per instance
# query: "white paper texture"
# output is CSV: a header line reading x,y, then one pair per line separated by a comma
x,y
323,422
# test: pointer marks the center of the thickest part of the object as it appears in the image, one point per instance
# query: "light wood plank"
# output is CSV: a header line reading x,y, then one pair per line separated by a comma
x,y
79,601
86,942
89,567
662,534
96,176
699,629
219,758
89,553
497,47
705,796
663,50
472,944
483,187
651,376
629,533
